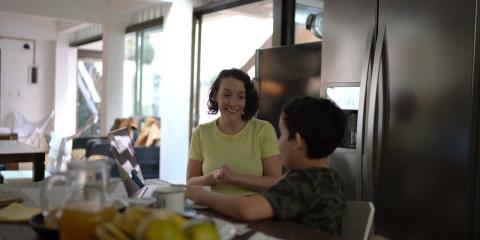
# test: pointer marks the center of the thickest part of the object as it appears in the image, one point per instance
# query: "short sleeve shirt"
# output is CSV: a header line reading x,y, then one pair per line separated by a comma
x,y
243,152
314,197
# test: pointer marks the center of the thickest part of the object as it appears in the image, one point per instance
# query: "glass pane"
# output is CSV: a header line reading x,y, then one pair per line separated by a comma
x,y
150,76
302,9
129,74
229,39
89,82
195,106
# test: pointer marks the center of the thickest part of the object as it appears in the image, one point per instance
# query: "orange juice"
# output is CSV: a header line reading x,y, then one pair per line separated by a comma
x,y
78,222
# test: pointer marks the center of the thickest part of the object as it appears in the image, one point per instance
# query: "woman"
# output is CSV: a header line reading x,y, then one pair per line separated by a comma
x,y
236,153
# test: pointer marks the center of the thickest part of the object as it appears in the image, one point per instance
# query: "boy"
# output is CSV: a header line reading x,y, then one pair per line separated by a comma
x,y
311,192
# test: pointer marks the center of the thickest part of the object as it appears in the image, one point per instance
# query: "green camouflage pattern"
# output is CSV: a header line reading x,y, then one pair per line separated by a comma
x,y
314,197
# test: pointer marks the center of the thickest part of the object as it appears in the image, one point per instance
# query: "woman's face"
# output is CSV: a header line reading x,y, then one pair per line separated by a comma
x,y
231,98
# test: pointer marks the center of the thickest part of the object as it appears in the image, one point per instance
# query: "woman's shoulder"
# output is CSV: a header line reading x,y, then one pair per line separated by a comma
x,y
260,124
204,127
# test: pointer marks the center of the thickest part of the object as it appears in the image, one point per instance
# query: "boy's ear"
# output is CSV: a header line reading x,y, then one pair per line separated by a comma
x,y
299,142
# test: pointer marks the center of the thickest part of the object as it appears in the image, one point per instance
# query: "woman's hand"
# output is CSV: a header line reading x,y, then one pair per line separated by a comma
x,y
217,176
194,193
228,175
272,171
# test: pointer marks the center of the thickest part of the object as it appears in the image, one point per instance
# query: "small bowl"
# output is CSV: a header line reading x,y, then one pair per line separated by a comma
x,y
36,222
144,202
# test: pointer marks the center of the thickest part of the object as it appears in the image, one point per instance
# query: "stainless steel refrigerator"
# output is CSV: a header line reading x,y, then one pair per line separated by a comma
x,y
285,72
415,66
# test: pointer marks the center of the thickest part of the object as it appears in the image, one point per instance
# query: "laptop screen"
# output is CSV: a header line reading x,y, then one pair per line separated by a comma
x,y
124,155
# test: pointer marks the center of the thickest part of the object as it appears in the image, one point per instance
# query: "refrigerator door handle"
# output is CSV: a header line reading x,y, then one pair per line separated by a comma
x,y
364,78
371,148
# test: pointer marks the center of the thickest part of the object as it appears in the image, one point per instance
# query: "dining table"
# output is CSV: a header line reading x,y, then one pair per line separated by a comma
x,y
269,229
14,152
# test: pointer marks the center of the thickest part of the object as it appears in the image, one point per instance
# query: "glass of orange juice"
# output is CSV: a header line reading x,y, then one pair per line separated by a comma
x,y
85,203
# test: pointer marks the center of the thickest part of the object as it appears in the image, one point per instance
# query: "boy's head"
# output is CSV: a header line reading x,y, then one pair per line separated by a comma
x,y
310,128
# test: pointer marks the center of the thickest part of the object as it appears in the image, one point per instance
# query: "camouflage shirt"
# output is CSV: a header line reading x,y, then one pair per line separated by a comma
x,y
313,197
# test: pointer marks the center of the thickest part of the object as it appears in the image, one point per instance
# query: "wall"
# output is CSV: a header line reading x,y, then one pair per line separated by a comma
x,y
113,55
35,101
65,87
175,92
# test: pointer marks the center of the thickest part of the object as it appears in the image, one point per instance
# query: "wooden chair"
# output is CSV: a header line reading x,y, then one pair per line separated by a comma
x,y
357,220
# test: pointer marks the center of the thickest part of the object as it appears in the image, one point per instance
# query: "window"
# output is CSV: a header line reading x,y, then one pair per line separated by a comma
x,y
228,39
302,9
89,85
142,72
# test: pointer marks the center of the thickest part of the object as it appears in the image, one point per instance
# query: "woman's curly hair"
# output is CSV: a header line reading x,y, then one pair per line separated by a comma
x,y
251,96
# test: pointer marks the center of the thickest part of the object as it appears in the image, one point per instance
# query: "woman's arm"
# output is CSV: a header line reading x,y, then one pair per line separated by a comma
x,y
272,171
195,175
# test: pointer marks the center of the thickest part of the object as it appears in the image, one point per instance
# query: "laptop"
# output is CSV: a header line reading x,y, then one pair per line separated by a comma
x,y
127,164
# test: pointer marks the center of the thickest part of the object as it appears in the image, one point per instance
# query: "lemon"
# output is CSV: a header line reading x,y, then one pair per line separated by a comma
x,y
201,230
153,228
170,216
177,219
136,214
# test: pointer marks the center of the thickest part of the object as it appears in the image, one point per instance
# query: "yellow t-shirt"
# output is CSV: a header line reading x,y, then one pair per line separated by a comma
x,y
242,152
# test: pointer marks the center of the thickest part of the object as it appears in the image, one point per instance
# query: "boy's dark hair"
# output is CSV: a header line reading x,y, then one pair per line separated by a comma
x,y
320,122
251,96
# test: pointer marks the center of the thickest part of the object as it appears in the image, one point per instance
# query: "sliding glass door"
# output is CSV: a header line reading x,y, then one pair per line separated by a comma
x,y
142,72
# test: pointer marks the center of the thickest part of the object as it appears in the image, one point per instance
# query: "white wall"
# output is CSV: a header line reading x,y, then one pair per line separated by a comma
x,y
175,92
35,101
112,92
65,87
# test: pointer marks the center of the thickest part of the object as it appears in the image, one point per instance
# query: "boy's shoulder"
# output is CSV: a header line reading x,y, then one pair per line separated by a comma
x,y
315,172
313,180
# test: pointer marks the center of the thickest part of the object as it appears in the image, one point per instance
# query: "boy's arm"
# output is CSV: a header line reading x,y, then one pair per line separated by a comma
x,y
246,208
